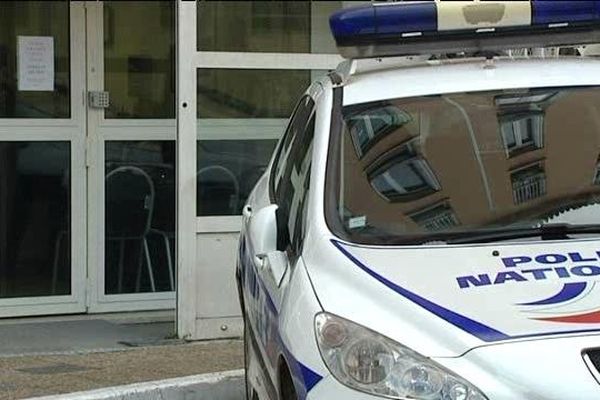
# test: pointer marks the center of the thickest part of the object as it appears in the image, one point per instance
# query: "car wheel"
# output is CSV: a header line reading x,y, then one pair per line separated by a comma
x,y
287,390
250,393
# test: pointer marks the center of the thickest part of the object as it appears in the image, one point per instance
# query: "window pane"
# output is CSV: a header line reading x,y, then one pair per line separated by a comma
x,y
139,63
242,114
139,216
266,26
35,209
27,19
227,172
257,93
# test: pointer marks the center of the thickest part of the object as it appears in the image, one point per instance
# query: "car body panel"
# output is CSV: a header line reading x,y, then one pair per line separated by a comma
x,y
494,292
410,79
542,369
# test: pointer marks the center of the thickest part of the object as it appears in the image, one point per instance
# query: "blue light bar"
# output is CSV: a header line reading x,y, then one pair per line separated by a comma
x,y
383,19
564,11
408,24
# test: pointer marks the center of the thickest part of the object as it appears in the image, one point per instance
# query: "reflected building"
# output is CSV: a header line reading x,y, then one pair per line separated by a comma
x,y
472,160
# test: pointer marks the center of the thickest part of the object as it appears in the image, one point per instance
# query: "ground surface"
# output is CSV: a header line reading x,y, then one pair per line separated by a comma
x,y
23,376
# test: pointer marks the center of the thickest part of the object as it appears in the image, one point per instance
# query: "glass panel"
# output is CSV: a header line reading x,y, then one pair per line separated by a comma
x,y
457,164
139,216
139,58
242,115
266,26
257,93
227,172
27,19
35,209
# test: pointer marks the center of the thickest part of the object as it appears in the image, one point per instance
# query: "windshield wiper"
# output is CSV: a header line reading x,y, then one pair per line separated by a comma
x,y
545,232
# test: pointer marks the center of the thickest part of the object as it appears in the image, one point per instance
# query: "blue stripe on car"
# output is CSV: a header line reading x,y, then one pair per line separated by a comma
x,y
305,379
569,291
473,327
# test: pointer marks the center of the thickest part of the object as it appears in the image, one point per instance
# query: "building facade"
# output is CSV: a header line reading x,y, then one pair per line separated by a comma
x,y
89,189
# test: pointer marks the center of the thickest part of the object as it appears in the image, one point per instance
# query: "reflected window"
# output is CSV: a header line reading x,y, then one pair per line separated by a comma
x,y
439,217
522,132
521,118
528,183
527,98
404,176
368,127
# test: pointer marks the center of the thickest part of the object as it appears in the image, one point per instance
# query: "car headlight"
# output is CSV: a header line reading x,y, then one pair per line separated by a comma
x,y
369,362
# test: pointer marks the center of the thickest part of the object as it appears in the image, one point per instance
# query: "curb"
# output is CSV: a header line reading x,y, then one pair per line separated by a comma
x,y
228,385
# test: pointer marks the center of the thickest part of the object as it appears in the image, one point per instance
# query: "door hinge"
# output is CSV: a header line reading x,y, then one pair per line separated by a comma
x,y
89,151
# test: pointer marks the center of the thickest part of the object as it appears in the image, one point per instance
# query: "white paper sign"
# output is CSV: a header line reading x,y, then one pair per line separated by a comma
x,y
35,63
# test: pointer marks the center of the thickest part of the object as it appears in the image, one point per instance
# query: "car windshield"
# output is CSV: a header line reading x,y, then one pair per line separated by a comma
x,y
427,169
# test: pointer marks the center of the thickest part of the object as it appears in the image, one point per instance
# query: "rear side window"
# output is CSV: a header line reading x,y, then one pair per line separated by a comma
x,y
292,181
293,192
296,127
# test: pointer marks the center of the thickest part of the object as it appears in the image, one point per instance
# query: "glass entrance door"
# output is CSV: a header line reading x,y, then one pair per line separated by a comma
x,y
131,180
42,158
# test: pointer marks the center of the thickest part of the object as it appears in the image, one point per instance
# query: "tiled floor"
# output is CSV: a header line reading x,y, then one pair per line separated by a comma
x,y
51,357
29,376
78,336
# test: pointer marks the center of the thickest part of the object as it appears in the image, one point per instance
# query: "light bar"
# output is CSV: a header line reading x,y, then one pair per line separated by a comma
x,y
425,27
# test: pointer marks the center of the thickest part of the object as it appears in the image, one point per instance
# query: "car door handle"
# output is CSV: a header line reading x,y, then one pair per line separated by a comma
x,y
260,260
247,211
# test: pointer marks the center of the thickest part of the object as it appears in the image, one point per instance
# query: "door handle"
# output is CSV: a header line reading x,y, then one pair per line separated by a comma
x,y
260,260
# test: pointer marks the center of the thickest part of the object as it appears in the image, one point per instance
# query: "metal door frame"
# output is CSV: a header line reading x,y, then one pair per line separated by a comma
x,y
73,131
99,131
195,278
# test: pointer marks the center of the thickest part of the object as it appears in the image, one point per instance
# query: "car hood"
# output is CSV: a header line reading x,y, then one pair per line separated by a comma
x,y
445,300
551,369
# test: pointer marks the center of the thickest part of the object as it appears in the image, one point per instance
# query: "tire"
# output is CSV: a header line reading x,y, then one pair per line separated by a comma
x,y
287,390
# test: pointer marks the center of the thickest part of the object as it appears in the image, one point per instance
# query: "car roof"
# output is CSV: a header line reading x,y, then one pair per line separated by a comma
x,y
389,78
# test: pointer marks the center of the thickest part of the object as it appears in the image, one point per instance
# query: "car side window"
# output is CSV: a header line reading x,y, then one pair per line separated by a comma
x,y
292,193
297,124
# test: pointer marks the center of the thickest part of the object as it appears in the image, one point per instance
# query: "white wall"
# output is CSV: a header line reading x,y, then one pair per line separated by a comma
x,y
218,312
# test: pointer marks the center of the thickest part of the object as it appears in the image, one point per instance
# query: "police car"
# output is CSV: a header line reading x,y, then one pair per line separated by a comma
x,y
429,225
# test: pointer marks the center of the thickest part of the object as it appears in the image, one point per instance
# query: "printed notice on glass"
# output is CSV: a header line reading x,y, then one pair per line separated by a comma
x,y
35,63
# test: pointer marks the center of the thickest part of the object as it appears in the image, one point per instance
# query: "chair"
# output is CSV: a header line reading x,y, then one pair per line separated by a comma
x,y
130,199
217,185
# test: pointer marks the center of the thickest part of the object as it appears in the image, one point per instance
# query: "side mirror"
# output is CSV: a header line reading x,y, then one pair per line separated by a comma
x,y
263,231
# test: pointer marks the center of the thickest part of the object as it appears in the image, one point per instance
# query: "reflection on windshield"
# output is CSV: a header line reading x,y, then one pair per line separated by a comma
x,y
403,176
369,126
424,167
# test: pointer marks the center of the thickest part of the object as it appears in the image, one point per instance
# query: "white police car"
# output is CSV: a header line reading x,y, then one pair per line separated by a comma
x,y
429,227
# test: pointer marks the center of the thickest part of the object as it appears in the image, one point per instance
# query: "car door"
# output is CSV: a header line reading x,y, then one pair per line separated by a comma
x,y
289,182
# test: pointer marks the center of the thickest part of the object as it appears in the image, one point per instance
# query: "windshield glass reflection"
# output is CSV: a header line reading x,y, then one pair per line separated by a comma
x,y
421,168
